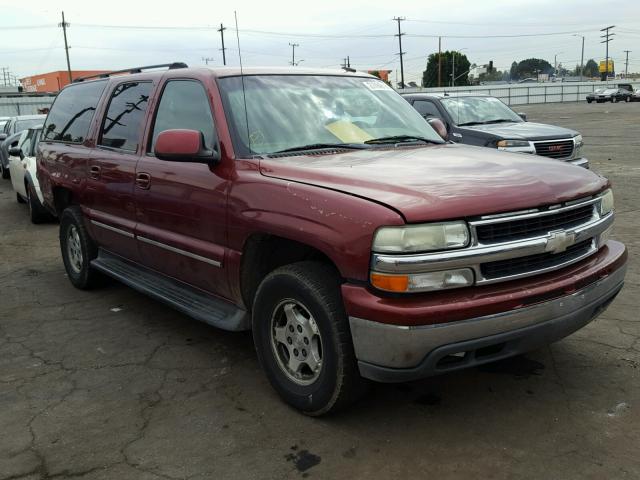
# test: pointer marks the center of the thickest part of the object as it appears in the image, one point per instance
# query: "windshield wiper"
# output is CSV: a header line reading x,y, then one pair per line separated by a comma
x,y
318,146
487,122
399,139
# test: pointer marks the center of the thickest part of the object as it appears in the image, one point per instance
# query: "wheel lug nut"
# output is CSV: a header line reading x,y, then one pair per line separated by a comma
x,y
306,341
299,328
304,353
291,328
295,352
289,341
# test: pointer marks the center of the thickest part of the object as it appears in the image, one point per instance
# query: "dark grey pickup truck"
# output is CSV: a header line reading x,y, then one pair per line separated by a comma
x,y
487,122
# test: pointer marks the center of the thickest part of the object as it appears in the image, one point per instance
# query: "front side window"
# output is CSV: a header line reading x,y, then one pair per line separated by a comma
x,y
478,110
287,111
184,105
127,109
26,142
426,109
72,112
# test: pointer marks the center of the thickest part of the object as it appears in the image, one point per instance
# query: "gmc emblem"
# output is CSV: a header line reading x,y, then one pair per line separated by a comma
x,y
555,148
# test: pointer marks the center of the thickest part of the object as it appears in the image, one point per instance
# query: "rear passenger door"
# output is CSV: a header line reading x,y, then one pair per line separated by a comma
x,y
112,167
181,206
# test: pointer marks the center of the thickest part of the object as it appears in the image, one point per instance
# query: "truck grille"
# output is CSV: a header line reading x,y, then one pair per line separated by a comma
x,y
555,149
530,227
533,263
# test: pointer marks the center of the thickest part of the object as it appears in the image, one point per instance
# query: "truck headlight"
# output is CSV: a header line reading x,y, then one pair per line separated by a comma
x,y
606,202
512,143
578,143
421,238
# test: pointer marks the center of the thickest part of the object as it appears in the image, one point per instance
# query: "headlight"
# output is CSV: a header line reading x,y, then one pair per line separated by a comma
x,y
421,238
578,140
512,143
606,202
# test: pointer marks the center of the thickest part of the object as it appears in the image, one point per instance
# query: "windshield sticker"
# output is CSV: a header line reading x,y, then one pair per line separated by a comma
x,y
376,85
347,132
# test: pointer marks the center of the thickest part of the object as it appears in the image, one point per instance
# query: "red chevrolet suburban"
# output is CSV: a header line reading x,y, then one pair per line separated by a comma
x,y
318,209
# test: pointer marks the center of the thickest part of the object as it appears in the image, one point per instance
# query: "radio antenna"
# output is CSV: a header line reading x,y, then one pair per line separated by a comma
x,y
244,95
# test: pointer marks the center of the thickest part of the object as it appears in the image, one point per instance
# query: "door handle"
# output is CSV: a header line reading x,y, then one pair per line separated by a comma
x,y
94,172
143,180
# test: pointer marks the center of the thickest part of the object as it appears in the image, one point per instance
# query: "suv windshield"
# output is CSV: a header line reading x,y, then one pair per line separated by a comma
x,y
478,110
290,111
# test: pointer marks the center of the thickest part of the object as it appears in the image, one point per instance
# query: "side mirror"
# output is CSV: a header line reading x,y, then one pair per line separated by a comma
x,y
184,146
3,137
523,116
439,126
16,152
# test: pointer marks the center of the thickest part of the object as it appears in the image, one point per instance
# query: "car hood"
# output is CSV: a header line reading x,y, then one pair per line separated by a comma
x,y
523,130
440,182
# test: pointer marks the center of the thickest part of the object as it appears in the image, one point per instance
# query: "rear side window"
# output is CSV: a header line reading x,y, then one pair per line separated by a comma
x,y
184,105
72,112
127,109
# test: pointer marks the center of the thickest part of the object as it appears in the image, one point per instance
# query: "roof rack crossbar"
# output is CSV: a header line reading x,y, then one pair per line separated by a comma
x,y
170,66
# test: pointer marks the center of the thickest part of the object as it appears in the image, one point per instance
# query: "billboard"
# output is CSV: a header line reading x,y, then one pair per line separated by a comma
x,y
603,67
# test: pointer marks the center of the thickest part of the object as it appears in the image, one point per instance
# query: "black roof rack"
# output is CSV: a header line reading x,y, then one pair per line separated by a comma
x,y
170,66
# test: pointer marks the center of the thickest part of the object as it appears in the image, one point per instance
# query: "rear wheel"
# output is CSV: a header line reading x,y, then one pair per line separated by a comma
x,y
589,100
627,99
19,199
78,249
302,337
4,171
37,212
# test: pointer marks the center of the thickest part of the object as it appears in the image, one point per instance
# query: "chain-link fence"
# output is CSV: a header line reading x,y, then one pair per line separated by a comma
x,y
16,104
523,94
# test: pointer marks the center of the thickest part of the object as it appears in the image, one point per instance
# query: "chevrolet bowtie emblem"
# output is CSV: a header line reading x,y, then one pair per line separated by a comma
x,y
559,241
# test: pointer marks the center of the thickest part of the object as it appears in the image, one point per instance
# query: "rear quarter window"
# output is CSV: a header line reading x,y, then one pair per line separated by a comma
x,y
72,112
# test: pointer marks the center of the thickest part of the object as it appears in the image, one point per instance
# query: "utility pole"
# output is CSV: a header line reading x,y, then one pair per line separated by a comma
x,y
349,61
607,38
439,62
293,53
399,35
207,60
64,26
581,57
626,63
221,30
453,67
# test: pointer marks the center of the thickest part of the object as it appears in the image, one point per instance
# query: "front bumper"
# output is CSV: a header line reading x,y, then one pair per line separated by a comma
x,y
579,162
396,353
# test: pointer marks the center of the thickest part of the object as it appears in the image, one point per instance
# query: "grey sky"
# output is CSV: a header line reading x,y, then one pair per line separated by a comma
x,y
361,29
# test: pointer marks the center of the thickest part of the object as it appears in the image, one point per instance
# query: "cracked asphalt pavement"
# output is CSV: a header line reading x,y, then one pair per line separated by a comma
x,y
110,384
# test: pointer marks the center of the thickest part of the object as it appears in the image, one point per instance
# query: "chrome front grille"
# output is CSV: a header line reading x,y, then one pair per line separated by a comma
x,y
555,148
515,245
533,225
533,263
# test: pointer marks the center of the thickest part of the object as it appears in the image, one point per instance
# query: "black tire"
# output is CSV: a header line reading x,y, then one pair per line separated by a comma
x,y
37,213
19,199
82,276
614,100
4,172
627,99
589,100
316,287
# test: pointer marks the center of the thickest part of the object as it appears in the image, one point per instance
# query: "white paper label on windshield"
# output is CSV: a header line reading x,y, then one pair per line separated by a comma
x,y
376,85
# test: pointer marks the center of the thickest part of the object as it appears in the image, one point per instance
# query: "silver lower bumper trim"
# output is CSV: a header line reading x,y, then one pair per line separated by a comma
x,y
399,347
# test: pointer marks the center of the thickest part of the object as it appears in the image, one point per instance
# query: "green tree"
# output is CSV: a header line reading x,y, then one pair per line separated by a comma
x,y
591,69
531,67
462,66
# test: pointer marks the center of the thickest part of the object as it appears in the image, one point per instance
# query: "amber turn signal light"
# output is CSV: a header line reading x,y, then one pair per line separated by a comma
x,y
390,283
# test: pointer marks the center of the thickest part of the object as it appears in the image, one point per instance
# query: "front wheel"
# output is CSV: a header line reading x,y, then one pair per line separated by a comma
x,y
4,171
302,337
78,249
589,100
627,99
